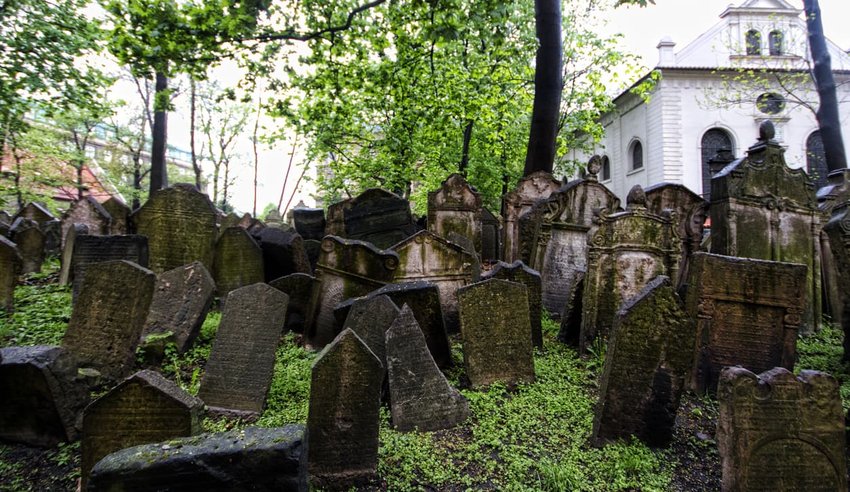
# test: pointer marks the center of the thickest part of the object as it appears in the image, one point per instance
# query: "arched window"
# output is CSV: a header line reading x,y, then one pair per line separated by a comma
x,y
753,42
816,159
606,169
775,43
714,141
637,155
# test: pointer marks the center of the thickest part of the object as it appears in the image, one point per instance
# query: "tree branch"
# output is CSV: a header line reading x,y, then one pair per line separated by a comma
x,y
292,35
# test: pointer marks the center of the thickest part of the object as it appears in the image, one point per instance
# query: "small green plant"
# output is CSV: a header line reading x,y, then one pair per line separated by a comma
x,y
40,317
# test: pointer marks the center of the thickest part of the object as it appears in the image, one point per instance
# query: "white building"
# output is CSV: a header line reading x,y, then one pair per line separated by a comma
x,y
702,105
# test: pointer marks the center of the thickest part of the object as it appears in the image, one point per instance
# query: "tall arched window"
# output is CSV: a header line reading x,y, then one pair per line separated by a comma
x,y
816,159
753,42
606,169
637,155
713,142
775,43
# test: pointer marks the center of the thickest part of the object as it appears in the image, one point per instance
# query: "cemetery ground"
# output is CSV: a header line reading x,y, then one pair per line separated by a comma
x,y
535,437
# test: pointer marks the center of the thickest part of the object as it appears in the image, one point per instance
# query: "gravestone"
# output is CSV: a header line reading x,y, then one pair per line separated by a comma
x,y
370,317
120,213
181,300
35,211
90,249
241,364
89,212
837,231
456,207
626,251
496,331
420,396
299,288
11,264
530,189
109,315
180,225
570,330
52,230
309,222
833,201
491,234
377,216
283,252
691,211
428,257
346,269
748,312
66,272
343,416
780,432
762,209
42,395
520,273
144,408
29,239
238,261
313,249
648,359
564,224
5,218
273,218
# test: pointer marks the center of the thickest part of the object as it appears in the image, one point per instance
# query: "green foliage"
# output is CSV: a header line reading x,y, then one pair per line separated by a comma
x,y
187,369
289,394
823,351
41,313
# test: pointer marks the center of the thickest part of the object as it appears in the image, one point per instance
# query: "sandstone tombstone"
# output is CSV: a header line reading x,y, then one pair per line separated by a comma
x,y
309,222
90,249
120,214
89,212
144,408
748,312
833,201
52,230
370,317
180,225
520,273
35,211
299,288
530,189
837,231
238,261
342,420
11,264
377,216
66,272
496,331
283,252
241,364
780,432
491,234
109,315
30,242
456,207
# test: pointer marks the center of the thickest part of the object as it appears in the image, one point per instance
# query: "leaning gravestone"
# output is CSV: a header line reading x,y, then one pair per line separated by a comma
x,y
120,214
420,396
181,300
518,272
530,189
109,315
238,261
299,288
10,267
343,417
456,207
30,242
376,216
144,408
309,222
180,225
370,317
648,359
282,251
496,330
36,212
780,432
747,312
65,273
89,212
90,249
241,364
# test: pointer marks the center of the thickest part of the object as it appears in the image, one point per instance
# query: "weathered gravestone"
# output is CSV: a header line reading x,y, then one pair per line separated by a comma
x,y
35,211
833,201
420,396
120,214
428,257
761,208
238,261
42,395
780,432
837,231
456,207
377,216
649,356
89,250
181,300
299,288
89,212
530,189
52,230
5,222
342,420
570,330
252,458
518,272
309,222
496,330
346,269
30,242
144,408
66,272
626,251
11,264
491,247
109,315
370,317
747,312
180,225
566,221
283,252
241,364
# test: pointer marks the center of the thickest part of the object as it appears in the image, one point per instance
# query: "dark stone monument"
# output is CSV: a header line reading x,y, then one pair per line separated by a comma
x,y
456,207
11,264
309,222
120,214
241,364
518,272
299,288
52,230
780,432
530,189
66,272
837,231
377,216
89,212
570,331
491,233
370,317
30,242
90,249
238,261
35,211
283,252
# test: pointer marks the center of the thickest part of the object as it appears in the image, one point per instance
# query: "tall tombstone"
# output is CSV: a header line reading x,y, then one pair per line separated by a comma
x,y
90,249
282,251
5,220
109,315
627,250
343,416
309,222
762,209
690,211
299,288
456,207
89,212
566,223
748,312
649,357
420,396
52,230
238,261
346,269
35,211
520,273
427,256
27,235
241,365
780,432
370,317
491,234
180,225
120,213
66,272
496,331
530,189
833,201
11,264
837,231
181,300
376,216
144,408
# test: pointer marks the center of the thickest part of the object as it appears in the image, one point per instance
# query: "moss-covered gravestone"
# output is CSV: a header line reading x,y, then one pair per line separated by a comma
x,y
10,267
536,186
89,212
30,242
299,288
89,249
35,211
370,317
837,231
52,237
238,261
491,234
780,432
66,272
376,216
120,214
520,273
456,207
496,330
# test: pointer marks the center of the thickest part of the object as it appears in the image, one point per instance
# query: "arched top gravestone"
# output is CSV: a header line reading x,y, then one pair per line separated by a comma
x,y
455,207
89,212
376,215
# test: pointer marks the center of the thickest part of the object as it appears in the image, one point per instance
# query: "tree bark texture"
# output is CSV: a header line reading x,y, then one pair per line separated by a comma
x,y
159,174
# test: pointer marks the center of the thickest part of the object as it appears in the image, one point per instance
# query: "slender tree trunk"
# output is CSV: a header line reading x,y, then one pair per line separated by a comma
x,y
159,174
137,181
827,113
192,105
547,88
19,194
464,156
256,155
226,185
288,169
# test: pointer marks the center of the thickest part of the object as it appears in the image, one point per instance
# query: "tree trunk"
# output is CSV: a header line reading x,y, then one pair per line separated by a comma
x,y
159,174
547,88
827,113
195,166
464,156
